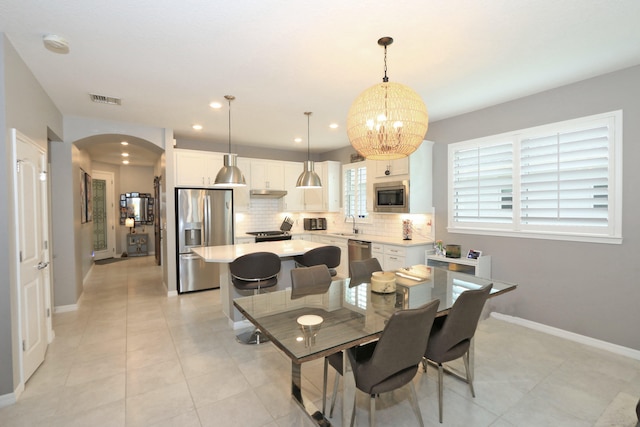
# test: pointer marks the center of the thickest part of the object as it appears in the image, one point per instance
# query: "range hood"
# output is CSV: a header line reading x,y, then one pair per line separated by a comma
x,y
268,194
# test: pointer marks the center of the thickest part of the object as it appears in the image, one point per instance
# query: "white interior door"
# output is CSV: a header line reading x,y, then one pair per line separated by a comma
x,y
33,258
104,227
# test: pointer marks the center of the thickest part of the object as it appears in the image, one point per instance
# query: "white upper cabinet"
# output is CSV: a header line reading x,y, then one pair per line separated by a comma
x,y
267,175
384,168
327,198
196,168
241,200
294,200
416,168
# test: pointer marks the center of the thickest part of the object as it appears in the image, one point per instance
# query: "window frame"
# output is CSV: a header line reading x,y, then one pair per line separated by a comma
x,y
360,217
610,234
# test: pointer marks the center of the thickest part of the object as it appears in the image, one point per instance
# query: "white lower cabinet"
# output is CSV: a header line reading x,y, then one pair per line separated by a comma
x,y
393,257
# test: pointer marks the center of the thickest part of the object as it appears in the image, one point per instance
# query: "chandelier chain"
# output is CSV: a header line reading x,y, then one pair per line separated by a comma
x,y
385,78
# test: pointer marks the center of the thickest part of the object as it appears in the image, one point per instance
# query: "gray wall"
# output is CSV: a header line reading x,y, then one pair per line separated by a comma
x,y
26,107
67,276
587,288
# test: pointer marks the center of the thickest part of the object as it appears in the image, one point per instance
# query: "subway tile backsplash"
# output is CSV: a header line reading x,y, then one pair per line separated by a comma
x,y
265,214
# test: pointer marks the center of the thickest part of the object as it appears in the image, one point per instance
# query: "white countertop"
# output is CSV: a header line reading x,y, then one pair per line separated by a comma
x,y
228,253
373,239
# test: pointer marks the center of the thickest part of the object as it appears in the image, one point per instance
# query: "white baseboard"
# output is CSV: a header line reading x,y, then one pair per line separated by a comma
x,y
172,293
571,336
65,308
10,398
241,324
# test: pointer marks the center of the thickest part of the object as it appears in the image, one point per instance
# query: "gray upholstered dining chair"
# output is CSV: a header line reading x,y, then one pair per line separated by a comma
x,y
312,280
360,271
253,272
392,361
451,335
327,255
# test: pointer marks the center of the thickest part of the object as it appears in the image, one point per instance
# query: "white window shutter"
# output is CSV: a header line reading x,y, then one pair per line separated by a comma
x,y
565,178
483,184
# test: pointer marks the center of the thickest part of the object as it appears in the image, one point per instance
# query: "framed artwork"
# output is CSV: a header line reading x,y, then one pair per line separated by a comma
x,y
89,197
473,254
83,197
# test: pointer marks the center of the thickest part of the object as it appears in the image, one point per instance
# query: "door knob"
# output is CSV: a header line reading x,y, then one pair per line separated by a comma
x,y
42,265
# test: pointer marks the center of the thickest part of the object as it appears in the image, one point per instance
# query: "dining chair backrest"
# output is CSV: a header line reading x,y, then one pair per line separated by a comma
x,y
460,324
309,281
360,271
399,350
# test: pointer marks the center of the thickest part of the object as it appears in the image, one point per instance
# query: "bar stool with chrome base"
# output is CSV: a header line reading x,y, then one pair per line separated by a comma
x,y
255,271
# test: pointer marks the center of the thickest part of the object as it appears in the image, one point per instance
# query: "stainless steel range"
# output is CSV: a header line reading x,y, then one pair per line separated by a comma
x,y
272,236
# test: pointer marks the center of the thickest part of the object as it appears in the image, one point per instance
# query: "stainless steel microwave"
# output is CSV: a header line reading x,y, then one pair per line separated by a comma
x,y
392,197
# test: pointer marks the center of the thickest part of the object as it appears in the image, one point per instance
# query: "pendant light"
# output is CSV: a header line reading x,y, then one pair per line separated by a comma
x,y
230,175
388,120
308,178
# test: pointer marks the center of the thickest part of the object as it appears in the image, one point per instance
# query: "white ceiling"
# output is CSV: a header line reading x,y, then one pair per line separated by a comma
x,y
167,59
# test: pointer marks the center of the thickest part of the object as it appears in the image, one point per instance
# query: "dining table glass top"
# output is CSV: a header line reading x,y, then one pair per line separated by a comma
x,y
349,314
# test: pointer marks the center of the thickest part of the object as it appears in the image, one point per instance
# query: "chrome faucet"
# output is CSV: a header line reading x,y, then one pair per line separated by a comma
x,y
355,230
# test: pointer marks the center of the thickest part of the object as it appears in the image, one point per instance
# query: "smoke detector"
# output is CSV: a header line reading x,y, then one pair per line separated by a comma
x,y
55,43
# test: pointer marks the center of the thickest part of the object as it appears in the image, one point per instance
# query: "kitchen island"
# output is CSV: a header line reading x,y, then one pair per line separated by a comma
x,y
225,254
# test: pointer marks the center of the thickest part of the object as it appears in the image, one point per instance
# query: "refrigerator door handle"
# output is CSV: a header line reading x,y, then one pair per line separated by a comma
x,y
205,219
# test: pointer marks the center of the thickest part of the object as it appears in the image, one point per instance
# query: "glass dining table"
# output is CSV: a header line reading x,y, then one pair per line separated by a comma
x,y
347,315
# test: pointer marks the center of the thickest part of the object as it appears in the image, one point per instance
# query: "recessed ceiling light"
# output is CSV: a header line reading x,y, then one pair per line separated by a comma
x,y
215,105
197,127
333,126
297,140
126,162
125,154
124,143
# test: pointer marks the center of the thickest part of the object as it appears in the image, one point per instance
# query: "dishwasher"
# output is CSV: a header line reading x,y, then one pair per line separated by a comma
x,y
358,250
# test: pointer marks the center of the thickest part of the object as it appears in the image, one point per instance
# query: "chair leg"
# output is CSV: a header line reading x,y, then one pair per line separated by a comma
x,y
372,410
353,413
335,393
440,390
465,357
324,386
414,403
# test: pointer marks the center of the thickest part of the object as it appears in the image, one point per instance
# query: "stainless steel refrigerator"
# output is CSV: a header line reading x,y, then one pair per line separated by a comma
x,y
204,218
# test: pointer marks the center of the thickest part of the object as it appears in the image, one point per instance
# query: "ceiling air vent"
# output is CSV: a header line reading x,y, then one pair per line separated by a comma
x,y
101,99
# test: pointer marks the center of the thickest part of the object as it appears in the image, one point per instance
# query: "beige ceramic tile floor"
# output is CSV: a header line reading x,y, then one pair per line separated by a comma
x,y
131,356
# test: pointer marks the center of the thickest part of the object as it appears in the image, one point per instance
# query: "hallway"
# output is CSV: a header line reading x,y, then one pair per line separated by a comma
x,y
131,356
